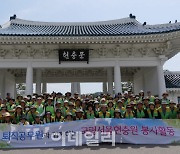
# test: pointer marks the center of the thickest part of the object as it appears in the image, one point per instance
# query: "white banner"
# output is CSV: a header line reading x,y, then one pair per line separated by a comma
x,y
91,132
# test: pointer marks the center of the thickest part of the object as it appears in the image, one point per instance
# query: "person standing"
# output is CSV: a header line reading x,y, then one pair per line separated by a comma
x,y
140,112
129,114
117,114
173,110
164,111
23,120
90,113
79,114
104,113
152,112
32,113
58,116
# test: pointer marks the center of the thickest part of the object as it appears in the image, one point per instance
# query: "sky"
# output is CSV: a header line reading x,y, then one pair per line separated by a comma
x,y
151,11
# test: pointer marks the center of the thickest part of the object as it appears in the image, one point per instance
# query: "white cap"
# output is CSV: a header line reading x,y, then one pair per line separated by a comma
x,y
103,99
125,92
25,97
33,97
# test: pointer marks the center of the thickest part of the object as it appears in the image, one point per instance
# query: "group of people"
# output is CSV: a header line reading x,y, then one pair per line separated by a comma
x,y
56,107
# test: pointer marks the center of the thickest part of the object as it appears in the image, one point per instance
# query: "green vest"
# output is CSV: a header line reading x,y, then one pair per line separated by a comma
x,y
40,108
122,110
140,114
64,109
111,111
150,114
50,108
107,115
48,120
96,112
11,107
17,119
59,119
31,117
164,115
173,113
72,111
128,116
90,115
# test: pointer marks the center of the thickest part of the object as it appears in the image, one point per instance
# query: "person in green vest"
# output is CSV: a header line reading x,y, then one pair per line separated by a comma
x,y
28,100
5,102
58,105
32,114
68,117
33,101
137,98
71,99
71,109
133,105
157,103
90,112
96,108
67,95
2,112
150,96
165,98
164,111
119,105
23,121
117,113
18,100
146,102
37,120
7,118
59,98
48,118
76,96
140,112
173,110
126,98
152,112
132,98
129,114
111,108
11,106
49,107
116,98
84,106
79,114
39,105
141,95
104,113
65,107
78,103
103,101
58,116
18,114
23,105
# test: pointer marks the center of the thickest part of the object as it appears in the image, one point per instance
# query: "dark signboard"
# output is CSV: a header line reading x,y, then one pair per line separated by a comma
x,y
73,55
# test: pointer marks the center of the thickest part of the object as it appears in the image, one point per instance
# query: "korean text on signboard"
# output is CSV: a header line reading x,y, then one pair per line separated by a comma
x,y
73,55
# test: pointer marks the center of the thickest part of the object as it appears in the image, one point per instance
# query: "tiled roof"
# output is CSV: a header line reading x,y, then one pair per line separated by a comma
x,y
172,79
121,27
